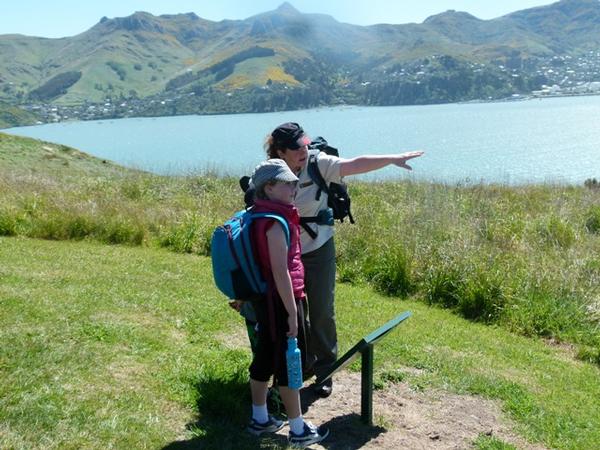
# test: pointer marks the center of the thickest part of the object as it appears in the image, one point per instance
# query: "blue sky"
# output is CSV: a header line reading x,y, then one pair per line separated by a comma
x,y
58,18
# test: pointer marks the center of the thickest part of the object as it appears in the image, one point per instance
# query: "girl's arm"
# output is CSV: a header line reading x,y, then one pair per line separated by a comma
x,y
368,163
278,251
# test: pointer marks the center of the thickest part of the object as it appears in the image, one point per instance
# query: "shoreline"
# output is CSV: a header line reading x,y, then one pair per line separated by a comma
x,y
520,98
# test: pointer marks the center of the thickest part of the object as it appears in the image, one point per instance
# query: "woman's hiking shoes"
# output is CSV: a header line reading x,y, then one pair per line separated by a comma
x,y
310,435
270,426
323,389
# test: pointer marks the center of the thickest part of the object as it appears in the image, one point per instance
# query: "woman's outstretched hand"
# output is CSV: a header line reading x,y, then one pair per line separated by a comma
x,y
403,157
369,163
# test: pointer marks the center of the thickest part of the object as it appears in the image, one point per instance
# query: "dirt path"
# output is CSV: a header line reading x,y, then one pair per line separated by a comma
x,y
405,419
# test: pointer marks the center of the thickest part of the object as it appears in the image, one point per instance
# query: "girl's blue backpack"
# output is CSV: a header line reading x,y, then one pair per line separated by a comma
x,y
235,270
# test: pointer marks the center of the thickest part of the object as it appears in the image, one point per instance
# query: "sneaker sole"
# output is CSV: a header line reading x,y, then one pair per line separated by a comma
x,y
305,444
256,432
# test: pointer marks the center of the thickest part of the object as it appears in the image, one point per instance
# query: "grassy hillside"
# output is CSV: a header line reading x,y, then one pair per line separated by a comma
x,y
521,257
110,346
145,60
20,156
130,346
18,56
11,116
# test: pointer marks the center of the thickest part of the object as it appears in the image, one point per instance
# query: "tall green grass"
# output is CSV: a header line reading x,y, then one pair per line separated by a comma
x,y
525,258
137,209
522,257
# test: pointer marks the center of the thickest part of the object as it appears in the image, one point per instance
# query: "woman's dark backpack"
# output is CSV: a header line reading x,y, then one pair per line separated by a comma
x,y
338,198
337,193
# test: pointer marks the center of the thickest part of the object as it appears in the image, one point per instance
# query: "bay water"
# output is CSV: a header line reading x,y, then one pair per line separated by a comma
x,y
553,140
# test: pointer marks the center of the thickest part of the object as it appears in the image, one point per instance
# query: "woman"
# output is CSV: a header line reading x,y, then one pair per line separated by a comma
x,y
289,143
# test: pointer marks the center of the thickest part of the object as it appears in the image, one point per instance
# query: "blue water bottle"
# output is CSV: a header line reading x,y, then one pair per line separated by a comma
x,y
294,364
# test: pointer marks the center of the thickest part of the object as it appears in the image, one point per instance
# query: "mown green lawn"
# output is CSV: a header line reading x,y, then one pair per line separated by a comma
x,y
125,347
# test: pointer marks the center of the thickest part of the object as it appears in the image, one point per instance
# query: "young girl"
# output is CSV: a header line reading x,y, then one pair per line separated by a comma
x,y
280,314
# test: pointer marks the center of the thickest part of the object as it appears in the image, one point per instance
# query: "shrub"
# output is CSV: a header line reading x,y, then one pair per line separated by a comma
x,y
548,311
442,286
123,231
351,258
205,239
503,232
556,232
56,86
473,288
592,221
118,68
463,249
185,237
589,353
132,189
391,273
49,226
8,224
591,183
349,272
61,225
79,227
481,297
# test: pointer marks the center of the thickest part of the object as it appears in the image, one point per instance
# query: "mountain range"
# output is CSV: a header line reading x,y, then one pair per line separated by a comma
x,y
282,54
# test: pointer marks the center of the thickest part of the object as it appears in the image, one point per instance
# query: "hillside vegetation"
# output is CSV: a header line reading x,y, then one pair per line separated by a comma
x,y
11,116
170,58
131,346
525,258
21,156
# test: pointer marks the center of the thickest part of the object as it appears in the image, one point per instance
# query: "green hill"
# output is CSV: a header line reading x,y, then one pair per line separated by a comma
x,y
12,116
520,257
143,55
120,347
21,155
131,345
566,25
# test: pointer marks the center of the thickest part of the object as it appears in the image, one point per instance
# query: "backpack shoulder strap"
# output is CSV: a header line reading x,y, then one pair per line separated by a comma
x,y
278,218
315,175
248,216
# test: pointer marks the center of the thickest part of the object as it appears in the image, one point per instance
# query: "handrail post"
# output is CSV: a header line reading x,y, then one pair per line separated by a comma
x,y
366,379
365,347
